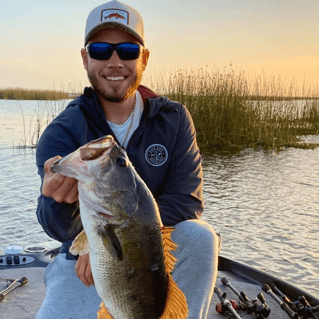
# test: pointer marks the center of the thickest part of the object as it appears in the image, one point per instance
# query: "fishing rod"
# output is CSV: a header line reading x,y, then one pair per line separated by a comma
x,y
225,304
284,306
13,285
301,306
257,306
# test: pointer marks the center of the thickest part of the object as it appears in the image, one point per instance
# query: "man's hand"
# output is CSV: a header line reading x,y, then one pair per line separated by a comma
x,y
57,186
83,270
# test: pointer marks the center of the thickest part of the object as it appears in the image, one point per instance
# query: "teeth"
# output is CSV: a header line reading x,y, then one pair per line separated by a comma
x,y
115,78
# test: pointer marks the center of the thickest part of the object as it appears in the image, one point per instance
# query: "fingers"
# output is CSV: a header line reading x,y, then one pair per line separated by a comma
x,y
48,164
72,193
67,191
57,186
83,270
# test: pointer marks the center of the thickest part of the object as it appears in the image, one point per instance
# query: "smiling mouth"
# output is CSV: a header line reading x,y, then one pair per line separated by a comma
x,y
115,78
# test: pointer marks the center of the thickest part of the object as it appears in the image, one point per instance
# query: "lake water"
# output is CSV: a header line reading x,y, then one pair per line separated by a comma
x,y
265,206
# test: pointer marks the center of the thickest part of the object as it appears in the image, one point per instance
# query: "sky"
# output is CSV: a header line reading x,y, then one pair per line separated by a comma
x,y
40,40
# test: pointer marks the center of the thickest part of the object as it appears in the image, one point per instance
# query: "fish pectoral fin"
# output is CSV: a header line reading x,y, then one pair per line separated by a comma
x,y
111,242
80,245
103,312
176,304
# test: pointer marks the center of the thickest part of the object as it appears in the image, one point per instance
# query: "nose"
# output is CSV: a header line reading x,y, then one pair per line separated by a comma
x,y
121,161
115,61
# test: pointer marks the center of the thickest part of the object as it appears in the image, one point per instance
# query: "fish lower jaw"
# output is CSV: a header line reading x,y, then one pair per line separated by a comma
x,y
104,215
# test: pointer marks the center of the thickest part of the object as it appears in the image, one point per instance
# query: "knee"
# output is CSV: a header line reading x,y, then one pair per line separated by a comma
x,y
197,234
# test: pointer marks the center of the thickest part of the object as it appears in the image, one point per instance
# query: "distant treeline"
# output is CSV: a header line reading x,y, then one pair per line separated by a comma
x,y
29,94
280,98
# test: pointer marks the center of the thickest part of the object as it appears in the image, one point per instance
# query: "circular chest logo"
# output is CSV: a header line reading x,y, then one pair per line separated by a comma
x,y
156,155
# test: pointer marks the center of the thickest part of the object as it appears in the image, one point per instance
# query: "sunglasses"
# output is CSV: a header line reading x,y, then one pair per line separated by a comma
x,y
104,50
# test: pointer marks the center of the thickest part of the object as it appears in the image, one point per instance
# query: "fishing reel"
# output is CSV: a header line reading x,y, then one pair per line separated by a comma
x,y
302,307
226,306
221,308
257,306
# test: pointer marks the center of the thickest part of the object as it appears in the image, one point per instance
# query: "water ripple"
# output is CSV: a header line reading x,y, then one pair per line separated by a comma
x,y
264,205
266,208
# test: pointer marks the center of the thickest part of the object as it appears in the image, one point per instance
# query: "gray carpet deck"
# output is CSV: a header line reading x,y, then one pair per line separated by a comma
x,y
24,302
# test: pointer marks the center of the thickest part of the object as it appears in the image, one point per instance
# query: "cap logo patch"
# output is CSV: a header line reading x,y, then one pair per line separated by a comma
x,y
115,15
156,155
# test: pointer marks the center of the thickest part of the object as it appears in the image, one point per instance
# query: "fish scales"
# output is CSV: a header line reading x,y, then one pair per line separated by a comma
x,y
122,233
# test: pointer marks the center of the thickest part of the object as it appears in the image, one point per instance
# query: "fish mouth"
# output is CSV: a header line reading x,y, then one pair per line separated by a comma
x,y
54,166
104,215
96,148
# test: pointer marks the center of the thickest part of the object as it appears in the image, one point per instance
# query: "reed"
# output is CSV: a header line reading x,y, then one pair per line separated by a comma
x,y
233,110
28,94
39,120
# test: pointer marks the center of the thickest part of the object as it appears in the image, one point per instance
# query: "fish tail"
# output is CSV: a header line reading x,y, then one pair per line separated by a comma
x,y
176,304
103,312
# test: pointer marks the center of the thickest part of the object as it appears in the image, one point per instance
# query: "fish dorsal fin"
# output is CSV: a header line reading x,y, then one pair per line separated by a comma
x,y
80,245
176,304
169,246
111,242
103,312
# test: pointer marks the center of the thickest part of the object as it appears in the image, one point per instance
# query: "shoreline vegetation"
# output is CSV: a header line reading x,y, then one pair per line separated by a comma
x,y
29,94
234,110
231,110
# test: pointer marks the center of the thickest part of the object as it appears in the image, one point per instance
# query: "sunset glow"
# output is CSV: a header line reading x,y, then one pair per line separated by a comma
x,y
41,40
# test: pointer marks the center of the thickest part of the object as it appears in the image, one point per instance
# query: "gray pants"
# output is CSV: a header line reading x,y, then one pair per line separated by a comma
x,y
195,273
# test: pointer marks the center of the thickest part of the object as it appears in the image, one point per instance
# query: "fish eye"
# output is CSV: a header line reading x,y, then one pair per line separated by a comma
x,y
121,161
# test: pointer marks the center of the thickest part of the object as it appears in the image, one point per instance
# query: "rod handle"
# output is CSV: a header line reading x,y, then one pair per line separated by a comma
x,y
282,304
23,281
289,311
225,281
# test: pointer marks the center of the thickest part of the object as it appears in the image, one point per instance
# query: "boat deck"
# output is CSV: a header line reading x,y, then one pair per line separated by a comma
x,y
24,302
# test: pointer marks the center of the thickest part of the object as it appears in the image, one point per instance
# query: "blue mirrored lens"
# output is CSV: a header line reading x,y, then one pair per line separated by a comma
x,y
100,51
128,51
104,51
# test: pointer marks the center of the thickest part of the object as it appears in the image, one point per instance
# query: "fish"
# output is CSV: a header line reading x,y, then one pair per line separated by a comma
x,y
129,248
114,15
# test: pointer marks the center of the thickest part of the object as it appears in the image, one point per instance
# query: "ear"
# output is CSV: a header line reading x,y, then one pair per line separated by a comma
x,y
84,58
145,56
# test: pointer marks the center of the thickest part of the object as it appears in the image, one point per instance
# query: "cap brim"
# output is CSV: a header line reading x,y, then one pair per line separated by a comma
x,y
113,25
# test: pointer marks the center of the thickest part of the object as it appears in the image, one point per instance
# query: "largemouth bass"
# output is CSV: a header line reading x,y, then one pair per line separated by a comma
x,y
128,246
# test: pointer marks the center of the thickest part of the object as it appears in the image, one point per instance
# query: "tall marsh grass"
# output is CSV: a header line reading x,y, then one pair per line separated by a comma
x,y
39,120
28,94
232,110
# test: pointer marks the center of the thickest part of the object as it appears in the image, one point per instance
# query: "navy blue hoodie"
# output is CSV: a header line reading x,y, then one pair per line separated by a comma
x,y
163,150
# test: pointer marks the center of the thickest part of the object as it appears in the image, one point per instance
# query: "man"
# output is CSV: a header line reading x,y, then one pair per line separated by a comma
x,y
159,138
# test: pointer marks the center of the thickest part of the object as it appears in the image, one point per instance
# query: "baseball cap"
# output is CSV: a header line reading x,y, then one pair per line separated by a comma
x,y
115,15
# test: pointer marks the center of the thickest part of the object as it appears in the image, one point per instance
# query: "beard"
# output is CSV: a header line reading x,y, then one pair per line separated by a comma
x,y
116,95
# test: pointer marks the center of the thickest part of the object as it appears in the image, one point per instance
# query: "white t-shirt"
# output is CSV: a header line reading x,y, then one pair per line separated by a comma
x,y
121,130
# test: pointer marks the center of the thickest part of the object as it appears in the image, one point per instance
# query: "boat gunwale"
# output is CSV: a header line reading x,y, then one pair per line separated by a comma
x,y
260,277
